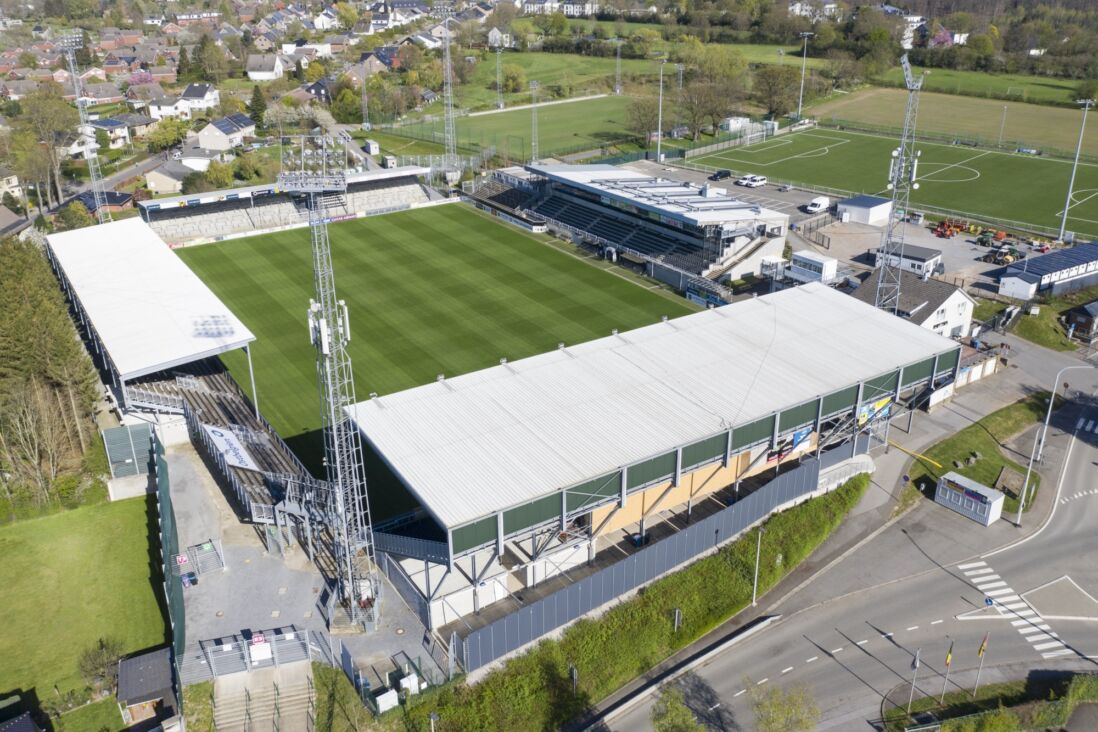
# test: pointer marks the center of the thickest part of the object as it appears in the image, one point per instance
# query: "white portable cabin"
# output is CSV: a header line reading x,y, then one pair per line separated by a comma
x,y
969,498
371,147
808,266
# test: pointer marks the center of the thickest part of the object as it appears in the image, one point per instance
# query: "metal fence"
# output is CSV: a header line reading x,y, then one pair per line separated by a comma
x,y
415,600
488,643
169,548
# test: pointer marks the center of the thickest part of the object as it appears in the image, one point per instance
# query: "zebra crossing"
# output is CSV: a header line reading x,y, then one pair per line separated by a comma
x,y
1086,425
1007,602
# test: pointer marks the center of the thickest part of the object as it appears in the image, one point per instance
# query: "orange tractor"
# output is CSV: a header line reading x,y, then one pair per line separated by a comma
x,y
949,228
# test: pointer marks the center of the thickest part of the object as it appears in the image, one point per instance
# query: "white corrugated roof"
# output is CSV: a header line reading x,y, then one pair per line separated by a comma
x,y
150,310
475,444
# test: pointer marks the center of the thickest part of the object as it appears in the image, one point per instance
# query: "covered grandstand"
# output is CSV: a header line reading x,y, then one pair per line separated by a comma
x,y
701,231
217,215
530,474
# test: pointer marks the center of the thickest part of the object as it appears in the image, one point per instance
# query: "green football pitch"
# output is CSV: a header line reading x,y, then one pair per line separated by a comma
x,y
443,290
984,184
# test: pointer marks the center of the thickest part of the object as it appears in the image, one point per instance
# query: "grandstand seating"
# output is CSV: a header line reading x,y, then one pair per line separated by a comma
x,y
268,212
495,192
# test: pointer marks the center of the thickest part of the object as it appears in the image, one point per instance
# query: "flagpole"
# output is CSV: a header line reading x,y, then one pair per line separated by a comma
x,y
949,662
914,674
983,647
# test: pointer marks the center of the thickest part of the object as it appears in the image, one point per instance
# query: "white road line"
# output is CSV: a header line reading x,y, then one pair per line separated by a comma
x,y
1028,629
1054,654
992,585
935,622
1044,626
974,572
836,650
1090,425
760,683
787,670
1046,646
914,627
1016,623
1039,637
999,592
741,691
810,660
887,635
985,578
861,642
1080,423
1027,614
1012,602
970,565
714,706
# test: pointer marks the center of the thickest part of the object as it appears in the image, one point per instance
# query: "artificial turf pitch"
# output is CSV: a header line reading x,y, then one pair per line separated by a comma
x,y
443,290
1005,187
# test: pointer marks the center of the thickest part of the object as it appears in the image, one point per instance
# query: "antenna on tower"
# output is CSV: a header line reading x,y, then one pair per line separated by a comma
x,y
534,121
450,160
902,180
314,167
499,77
70,43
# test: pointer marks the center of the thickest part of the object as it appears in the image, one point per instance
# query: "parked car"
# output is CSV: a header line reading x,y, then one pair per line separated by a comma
x,y
745,179
756,181
721,175
818,204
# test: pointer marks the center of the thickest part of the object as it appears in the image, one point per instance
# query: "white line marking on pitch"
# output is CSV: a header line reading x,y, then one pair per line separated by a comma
x,y
935,622
810,660
787,670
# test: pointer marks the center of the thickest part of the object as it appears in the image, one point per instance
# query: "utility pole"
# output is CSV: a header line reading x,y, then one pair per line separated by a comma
x,y
804,62
499,77
617,69
1002,124
758,556
914,674
365,104
1087,104
659,117
534,121
901,181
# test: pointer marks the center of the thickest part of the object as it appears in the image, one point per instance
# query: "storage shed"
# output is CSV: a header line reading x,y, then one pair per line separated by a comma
x,y
871,210
969,498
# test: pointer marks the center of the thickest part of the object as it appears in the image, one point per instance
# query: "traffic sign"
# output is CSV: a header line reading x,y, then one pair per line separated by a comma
x,y
989,601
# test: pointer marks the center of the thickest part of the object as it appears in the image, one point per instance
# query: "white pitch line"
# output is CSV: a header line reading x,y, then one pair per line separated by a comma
x,y
970,565
787,669
954,165
810,660
935,622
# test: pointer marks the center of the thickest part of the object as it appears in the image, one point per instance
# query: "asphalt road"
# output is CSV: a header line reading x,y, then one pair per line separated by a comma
x,y
852,642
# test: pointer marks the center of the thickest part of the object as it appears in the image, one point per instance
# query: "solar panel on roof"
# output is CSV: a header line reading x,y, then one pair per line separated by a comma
x,y
1059,260
225,125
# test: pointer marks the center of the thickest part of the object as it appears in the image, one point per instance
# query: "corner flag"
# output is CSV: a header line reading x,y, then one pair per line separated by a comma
x,y
983,646
949,655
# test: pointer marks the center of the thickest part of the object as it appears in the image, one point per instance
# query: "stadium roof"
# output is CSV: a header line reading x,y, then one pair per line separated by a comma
x,y
150,311
1046,264
673,199
476,444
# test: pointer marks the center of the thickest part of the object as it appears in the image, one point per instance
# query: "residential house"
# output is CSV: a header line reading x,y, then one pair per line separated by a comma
x,y
326,20
427,40
16,90
138,96
113,201
540,7
499,39
263,42
320,90
163,74
380,59
264,67
321,50
1082,322
155,20
226,133
9,183
196,18
579,8
198,158
428,96
165,107
118,135
933,304
171,29
168,178
340,43
201,96
138,125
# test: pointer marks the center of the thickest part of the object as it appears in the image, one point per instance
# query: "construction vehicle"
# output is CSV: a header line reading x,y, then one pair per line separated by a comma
x,y
990,237
948,228
1004,255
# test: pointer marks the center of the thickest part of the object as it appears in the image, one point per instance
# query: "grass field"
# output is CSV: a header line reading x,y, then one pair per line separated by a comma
x,y
1031,124
1000,186
562,127
435,291
1019,87
68,580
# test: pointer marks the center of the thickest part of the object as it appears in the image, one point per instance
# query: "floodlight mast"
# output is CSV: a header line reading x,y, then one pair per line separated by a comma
x,y
902,179
95,175
450,161
319,169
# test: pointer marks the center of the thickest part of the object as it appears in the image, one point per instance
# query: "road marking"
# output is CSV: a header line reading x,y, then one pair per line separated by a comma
x,y
861,642
1039,637
1079,424
836,650
1025,613
985,578
1016,623
714,706
741,691
1045,646
760,683
992,585
1090,425
1044,626
914,627
974,572
1029,629
970,565
1012,603
887,635
787,670
1000,592
1054,654
810,660
935,622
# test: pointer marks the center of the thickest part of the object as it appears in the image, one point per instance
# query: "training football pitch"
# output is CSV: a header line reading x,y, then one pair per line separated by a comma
x,y
981,183
443,290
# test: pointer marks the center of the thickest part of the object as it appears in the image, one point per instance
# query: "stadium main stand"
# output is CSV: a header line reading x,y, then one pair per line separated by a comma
x,y
186,219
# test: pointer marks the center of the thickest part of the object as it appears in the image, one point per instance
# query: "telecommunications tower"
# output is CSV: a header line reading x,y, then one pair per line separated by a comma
x,y
450,160
902,180
314,167
499,77
95,175
617,68
534,121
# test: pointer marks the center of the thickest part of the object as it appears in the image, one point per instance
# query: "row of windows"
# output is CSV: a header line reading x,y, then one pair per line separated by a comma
x,y
960,499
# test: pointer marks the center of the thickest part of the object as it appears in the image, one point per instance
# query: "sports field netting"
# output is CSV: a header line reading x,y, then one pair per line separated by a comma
x,y
443,290
982,183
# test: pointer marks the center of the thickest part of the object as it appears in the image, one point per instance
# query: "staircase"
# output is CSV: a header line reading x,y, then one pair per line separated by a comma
x,y
255,702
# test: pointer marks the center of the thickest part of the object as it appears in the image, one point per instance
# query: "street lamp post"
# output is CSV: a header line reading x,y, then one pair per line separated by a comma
x,y
1039,439
659,117
804,61
758,555
1002,124
1087,104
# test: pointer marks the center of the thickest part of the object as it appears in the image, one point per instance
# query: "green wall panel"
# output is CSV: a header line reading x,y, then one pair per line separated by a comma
x,y
532,513
918,372
475,534
753,433
840,401
798,416
594,491
651,471
947,361
704,452
881,386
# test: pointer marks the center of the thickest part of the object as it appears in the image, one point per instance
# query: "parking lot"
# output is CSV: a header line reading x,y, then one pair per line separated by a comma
x,y
789,202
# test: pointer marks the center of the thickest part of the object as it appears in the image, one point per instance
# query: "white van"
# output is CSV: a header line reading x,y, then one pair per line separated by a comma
x,y
818,204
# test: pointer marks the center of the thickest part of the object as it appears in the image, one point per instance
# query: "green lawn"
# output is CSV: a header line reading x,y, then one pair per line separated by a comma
x,y
1018,87
1027,125
444,290
986,309
973,182
68,580
1045,329
985,437
562,128
102,716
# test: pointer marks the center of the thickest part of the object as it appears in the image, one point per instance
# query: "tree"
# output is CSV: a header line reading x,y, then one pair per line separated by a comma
x,y
776,89
27,60
102,140
168,133
783,710
299,70
99,664
1086,89
210,60
257,107
196,183
642,117
347,14
75,216
48,117
346,107
514,78
315,72
695,106
557,24
219,175
11,203
670,713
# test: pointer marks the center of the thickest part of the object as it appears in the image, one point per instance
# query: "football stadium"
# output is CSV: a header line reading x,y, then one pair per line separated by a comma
x,y
544,430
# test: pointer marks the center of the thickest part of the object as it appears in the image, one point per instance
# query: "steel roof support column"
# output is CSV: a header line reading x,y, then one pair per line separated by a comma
x,y
857,427
499,535
819,424
251,376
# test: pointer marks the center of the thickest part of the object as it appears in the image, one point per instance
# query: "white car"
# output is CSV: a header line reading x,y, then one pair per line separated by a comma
x,y
744,180
755,181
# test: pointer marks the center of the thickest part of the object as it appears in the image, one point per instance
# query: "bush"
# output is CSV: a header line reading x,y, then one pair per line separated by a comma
x,y
99,664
